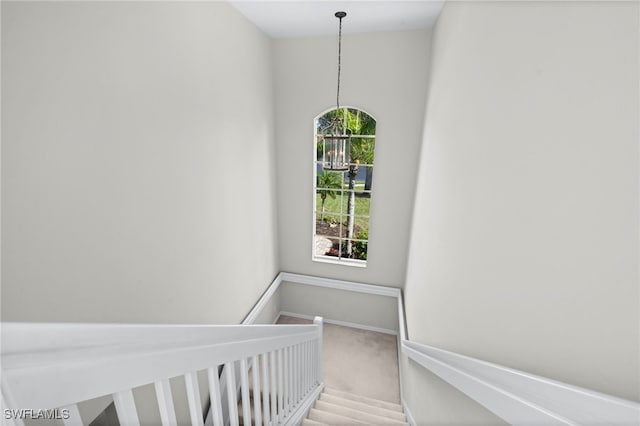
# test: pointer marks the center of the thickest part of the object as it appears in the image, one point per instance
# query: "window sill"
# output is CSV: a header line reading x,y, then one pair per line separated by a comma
x,y
343,262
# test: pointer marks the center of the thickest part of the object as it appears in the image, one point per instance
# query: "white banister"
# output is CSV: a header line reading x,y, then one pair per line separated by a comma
x,y
46,366
520,397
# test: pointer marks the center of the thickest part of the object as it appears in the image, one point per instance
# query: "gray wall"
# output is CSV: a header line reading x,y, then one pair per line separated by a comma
x,y
524,248
383,74
137,178
340,305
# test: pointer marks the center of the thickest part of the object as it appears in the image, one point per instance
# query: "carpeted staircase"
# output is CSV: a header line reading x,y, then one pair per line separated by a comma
x,y
335,407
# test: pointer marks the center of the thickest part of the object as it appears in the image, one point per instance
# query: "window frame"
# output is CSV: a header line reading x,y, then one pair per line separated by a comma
x,y
338,260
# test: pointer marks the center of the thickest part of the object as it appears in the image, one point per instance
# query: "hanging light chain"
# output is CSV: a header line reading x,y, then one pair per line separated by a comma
x,y
339,15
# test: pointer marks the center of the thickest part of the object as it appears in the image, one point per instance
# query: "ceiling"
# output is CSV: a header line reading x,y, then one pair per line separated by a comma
x,y
285,19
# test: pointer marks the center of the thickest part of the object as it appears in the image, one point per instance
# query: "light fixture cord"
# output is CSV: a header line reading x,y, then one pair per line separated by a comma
x,y
339,63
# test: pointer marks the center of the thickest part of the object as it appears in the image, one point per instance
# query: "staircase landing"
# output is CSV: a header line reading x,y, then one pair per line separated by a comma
x,y
358,361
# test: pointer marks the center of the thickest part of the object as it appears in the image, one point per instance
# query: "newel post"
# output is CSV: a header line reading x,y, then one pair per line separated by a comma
x,y
318,321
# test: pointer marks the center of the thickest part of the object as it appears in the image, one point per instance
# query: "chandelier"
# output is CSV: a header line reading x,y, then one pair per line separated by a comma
x,y
336,136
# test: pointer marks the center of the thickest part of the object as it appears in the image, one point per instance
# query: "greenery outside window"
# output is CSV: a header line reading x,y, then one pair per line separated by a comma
x,y
342,200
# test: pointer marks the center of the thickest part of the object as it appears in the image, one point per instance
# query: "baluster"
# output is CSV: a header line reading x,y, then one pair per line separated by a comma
x,y
305,368
319,357
292,368
165,402
312,362
290,375
215,396
74,418
280,384
265,389
310,365
298,370
285,370
126,408
314,352
274,402
244,384
301,368
193,396
229,370
309,369
256,391
314,357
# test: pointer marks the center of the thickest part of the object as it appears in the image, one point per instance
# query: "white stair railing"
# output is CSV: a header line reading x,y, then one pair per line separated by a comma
x,y
47,369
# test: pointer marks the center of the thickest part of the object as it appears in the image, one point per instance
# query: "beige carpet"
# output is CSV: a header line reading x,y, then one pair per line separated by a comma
x,y
358,361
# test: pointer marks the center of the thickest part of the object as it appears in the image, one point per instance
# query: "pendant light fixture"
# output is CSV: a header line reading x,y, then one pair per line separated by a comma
x,y
336,136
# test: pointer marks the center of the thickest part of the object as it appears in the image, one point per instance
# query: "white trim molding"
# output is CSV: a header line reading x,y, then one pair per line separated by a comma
x,y
521,398
262,302
340,284
336,322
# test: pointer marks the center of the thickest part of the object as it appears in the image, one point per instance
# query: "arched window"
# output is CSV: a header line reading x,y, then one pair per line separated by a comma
x,y
342,199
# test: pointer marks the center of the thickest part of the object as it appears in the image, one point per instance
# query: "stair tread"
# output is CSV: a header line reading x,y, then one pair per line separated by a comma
x,y
356,405
364,399
360,415
332,418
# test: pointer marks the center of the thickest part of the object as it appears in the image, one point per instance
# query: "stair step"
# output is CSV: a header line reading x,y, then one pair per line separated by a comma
x,y
364,399
332,419
372,409
309,422
364,416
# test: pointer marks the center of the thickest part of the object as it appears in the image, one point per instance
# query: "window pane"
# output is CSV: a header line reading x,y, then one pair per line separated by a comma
x,y
328,204
359,250
362,150
360,123
363,179
362,202
331,181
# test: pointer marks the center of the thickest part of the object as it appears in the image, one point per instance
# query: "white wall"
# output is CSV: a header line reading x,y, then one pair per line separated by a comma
x,y
383,74
136,171
379,312
524,248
